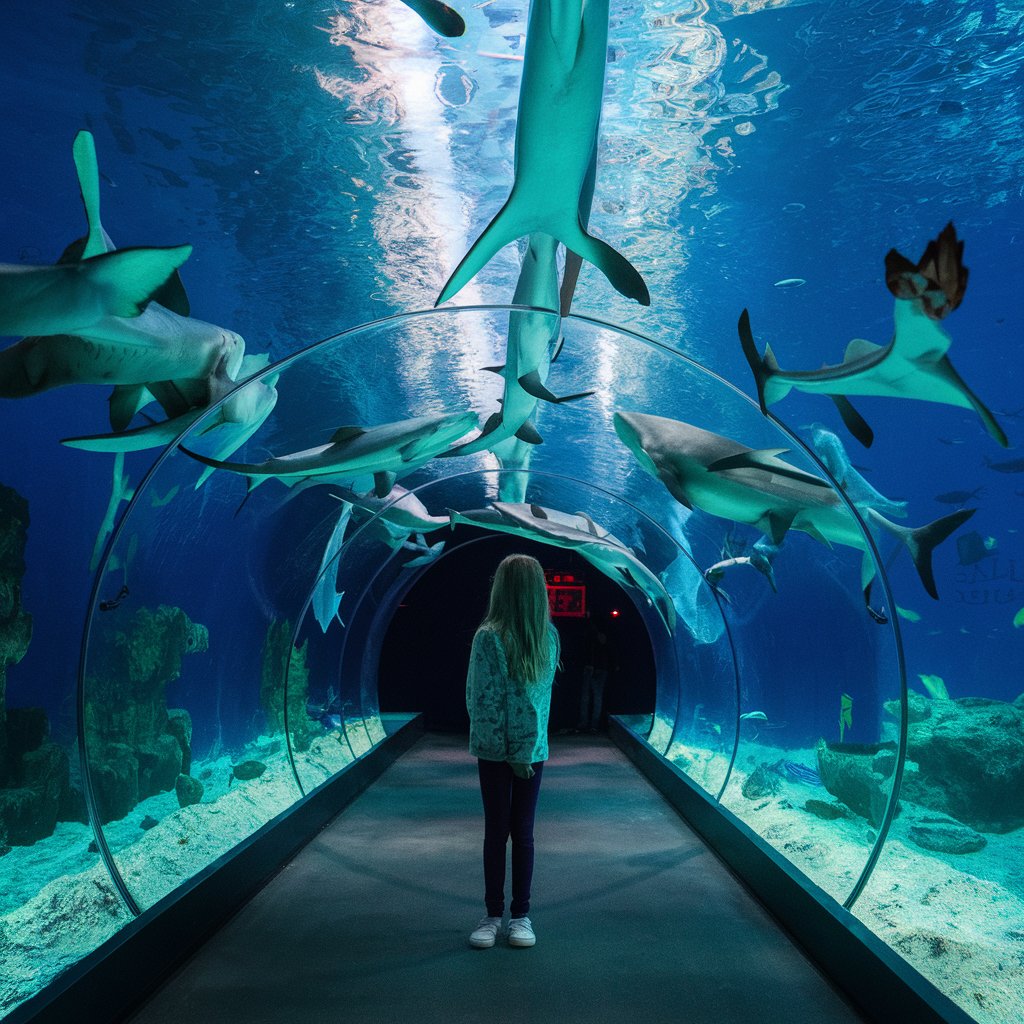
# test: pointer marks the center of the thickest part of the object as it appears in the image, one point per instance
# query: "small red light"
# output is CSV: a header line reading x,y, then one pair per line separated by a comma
x,y
615,613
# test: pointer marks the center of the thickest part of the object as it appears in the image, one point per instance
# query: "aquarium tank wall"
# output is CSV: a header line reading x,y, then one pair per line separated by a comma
x,y
701,274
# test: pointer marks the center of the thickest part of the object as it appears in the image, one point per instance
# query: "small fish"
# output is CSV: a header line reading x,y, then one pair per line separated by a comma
x,y
958,497
972,548
757,716
791,282
1008,466
148,822
246,770
878,614
109,605
908,614
797,771
935,685
845,714
1018,619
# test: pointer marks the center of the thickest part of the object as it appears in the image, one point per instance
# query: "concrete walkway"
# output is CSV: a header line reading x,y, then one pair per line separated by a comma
x,y
636,920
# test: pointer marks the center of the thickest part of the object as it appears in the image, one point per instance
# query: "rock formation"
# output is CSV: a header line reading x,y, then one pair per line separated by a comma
x,y
137,747
965,759
276,650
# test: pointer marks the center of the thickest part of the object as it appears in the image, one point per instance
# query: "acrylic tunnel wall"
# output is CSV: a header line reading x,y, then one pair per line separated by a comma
x,y
305,579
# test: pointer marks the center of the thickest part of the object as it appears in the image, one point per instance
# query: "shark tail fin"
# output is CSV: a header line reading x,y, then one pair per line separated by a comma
x,y
921,542
130,277
506,227
514,220
621,274
763,367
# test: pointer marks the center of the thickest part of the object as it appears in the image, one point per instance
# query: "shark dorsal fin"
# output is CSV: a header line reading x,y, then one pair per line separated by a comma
x,y
766,459
537,512
861,348
347,434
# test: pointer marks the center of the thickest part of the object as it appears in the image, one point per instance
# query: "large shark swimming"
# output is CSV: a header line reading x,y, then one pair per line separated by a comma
x,y
914,364
129,349
382,451
728,479
560,101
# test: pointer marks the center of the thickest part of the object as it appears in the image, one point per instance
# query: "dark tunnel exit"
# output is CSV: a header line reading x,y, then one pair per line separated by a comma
x,y
426,648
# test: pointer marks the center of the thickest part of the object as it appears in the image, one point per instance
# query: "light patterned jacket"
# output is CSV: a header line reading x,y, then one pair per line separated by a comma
x,y
508,719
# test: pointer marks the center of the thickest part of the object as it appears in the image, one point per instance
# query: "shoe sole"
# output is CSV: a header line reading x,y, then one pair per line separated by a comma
x,y
481,943
522,943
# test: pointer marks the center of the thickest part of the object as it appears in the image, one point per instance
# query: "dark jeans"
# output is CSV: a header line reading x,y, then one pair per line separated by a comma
x,y
510,805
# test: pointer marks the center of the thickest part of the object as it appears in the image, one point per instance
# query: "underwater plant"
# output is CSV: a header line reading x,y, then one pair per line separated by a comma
x,y
845,714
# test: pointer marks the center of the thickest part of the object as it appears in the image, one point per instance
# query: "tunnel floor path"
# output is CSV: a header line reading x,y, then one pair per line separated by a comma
x,y
636,919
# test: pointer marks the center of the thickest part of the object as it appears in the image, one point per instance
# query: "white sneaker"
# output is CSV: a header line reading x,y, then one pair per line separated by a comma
x,y
485,933
520,932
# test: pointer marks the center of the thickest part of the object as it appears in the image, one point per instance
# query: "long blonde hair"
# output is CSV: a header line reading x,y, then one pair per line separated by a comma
x,y
518,612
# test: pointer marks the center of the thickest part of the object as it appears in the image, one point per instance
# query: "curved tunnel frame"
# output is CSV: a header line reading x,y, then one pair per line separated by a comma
x,y
88,789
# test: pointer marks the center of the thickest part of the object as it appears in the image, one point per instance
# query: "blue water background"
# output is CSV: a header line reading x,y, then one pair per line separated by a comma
x,y
311,211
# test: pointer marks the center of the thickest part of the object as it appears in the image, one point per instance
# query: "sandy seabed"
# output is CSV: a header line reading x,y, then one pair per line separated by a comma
x,y
958,919
58,903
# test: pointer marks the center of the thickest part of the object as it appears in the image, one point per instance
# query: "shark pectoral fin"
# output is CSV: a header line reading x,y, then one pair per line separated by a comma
x,y
570,275
500,370
382,483
535,388
767,459
775,525
621,274
440,17
125,401
509,223
813,531
129,277
991,425
855,423
528,433
172,296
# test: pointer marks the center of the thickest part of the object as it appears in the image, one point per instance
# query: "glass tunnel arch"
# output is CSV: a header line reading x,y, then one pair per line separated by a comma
x,y
171,545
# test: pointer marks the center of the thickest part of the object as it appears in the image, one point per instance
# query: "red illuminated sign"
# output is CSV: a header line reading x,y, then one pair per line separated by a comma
x,y
567,595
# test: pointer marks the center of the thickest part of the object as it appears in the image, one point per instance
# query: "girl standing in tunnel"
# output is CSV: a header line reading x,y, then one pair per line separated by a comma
x,y
508,696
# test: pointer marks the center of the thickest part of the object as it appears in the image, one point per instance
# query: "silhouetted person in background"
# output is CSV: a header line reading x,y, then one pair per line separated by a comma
x,y
508,697
595,676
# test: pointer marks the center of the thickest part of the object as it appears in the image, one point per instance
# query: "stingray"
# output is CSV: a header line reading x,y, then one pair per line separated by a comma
x,y
556,138
730,480
913,365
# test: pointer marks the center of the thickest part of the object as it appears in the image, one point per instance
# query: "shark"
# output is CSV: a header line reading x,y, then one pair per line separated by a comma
x,y
560,99
352,451
578,533
326,598
914,364
157,344
72,297
534,341
239,416
121,491
832,453
755,486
